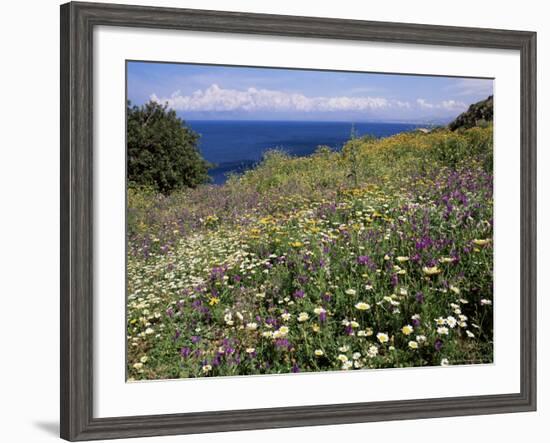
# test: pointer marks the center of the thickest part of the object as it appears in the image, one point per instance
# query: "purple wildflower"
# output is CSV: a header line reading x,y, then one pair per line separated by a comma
x,y
423,243
229,350
282,343
185,352
394,280
363,260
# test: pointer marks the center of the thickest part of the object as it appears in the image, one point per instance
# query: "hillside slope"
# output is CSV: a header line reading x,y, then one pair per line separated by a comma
x,y
475,115
377,256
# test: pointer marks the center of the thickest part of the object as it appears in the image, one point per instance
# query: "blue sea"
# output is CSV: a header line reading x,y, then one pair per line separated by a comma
x,y
235,146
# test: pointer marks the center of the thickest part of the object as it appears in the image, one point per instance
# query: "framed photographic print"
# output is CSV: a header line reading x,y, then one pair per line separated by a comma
x,y
273,221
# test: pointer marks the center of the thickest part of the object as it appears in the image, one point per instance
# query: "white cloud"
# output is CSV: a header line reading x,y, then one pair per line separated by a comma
x,y
448,105
424,104
453,104
401,104
216,98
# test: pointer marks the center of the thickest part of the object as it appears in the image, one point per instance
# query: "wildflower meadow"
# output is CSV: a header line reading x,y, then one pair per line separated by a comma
x,y
379,255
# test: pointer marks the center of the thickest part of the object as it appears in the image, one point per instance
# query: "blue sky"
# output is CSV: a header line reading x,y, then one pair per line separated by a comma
x,y
224,92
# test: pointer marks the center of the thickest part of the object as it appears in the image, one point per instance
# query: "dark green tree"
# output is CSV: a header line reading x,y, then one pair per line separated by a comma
x,y
162,150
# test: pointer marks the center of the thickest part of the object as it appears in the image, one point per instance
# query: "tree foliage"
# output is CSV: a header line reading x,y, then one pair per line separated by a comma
x,y
162,150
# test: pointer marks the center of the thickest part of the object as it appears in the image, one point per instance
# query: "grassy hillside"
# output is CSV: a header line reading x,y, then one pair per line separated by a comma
x,y
376,256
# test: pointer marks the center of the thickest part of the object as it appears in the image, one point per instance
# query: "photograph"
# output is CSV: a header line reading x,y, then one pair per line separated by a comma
x,y
282,220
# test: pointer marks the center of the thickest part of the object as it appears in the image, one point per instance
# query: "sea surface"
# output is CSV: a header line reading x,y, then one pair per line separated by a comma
x,y
235,146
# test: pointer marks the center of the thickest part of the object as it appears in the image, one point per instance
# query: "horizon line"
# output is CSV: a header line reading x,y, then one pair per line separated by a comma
x,y
404,122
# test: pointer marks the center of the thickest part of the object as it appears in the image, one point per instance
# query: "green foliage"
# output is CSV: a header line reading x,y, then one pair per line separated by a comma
x,y
351,153
162,151
450,151
368,160
480,140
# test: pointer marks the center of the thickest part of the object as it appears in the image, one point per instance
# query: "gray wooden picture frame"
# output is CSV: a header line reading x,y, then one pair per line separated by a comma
x,y
77,24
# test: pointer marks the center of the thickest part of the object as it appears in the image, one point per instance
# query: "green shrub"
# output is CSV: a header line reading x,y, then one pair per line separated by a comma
x,y
162,151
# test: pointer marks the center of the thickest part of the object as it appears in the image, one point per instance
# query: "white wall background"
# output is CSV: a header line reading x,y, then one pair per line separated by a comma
x,y
29,188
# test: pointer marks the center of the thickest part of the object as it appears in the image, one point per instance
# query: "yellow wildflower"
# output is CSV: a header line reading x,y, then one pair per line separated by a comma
x,y
433,270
